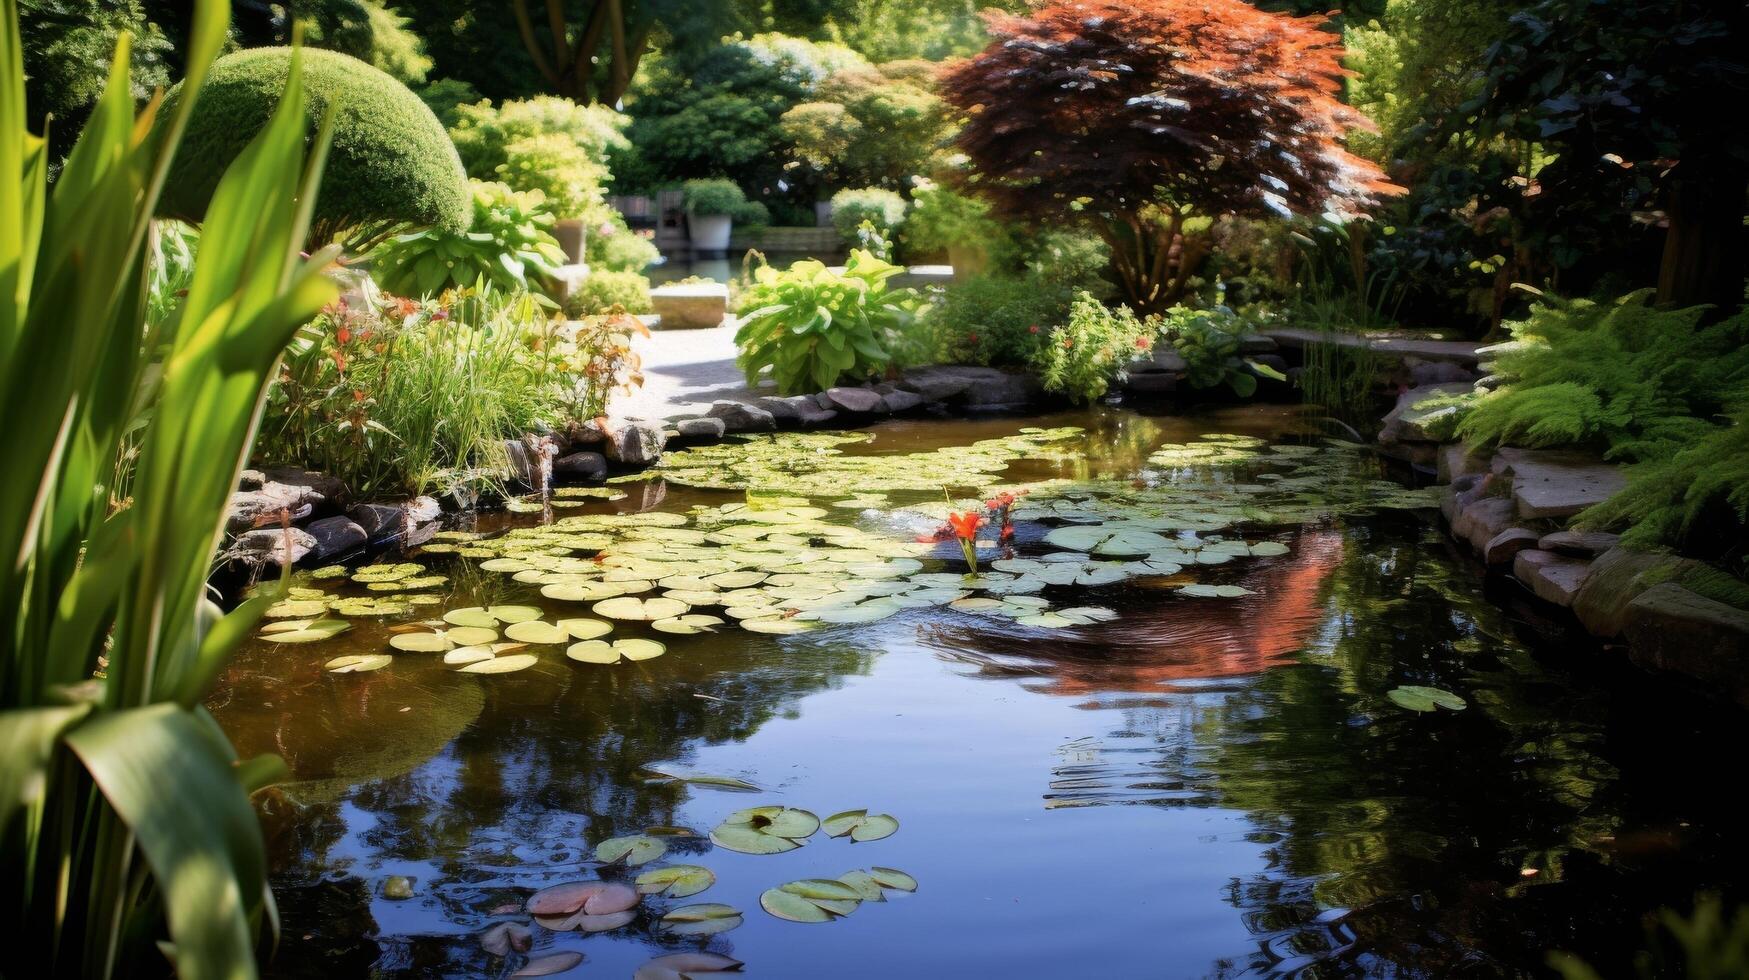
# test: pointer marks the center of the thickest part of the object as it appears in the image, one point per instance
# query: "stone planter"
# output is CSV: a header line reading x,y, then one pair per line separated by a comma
x,y
709,232
572,236
690,306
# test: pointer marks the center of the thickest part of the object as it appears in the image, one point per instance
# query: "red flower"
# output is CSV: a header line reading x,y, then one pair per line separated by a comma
x,y
1141,343
339,360
1032,329
965,526
343,334
972,337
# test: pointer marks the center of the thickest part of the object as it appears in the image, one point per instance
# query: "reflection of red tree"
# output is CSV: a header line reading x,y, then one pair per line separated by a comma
x,y
1150,647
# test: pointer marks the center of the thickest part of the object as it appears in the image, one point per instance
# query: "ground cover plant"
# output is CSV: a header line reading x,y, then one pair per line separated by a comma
x,y
812,326
125,826
507,245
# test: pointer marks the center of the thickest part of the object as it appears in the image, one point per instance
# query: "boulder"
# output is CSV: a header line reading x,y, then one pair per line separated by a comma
x,y
1482,520
935,384
1455,460
635,443
251,479
335,536
706,428
421,510
270,547
1256,343
328,487
1554,578
585,433
690,306
899,400
1422,373
1408,422
1672,628
379,521
1502,548
1617,578
270,505
786,411
979,388
1460,493
1150,383
1579,544
581,467
741,417
1167,358
861,401
1557,483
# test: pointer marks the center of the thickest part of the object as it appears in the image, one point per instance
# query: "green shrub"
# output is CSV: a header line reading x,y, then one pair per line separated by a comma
x,y
942,219
509,246
880,207
606,289
615,248
713,196
812,326
445,98
1080,358
1209,341
391,166
996,320
1696,497
1623,378
865,127
548,144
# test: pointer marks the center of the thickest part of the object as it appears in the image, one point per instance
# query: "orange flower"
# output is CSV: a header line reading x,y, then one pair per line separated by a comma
x,y
1141,343
965,526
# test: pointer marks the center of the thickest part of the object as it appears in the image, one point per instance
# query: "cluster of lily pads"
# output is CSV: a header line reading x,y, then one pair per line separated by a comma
x,y
782,563
604,905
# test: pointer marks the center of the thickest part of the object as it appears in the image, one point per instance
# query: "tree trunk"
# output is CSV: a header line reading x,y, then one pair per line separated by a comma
x,y
1705,251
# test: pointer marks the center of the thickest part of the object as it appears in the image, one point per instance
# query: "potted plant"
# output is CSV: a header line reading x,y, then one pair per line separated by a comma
x,y
711,209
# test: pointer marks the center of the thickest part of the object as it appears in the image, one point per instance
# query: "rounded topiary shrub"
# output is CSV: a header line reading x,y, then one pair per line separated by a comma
x,y
391,167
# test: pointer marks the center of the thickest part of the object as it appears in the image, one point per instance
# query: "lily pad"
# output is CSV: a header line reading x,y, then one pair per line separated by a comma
x,y
860,825
634,850
535,631
894,879
679,966
640,610
676,881
1418,698
793,907
688,624
585,629
358,663
502,665
602,652
589,897
546,966
304,630
705,919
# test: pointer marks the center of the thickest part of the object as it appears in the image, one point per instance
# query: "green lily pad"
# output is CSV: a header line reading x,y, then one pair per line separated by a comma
x,y
860,825
864,884
358,663
535,631
793,907
1200,591
676,881
634,850
1418,698
894,879
602,652
585,629
700,779
304,630
688,624
502,665
422,642
705,919
640,610
296,609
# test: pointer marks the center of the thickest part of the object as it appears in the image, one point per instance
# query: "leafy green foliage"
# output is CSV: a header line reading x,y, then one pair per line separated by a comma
x,y
812,326
391,167
405,397
997,319
548,144
942,218
370,31
109,764
869,127
714,196
882,208
1696,497
509,245
606,289
1210,341
1624,377
67,47
613,247
1079,358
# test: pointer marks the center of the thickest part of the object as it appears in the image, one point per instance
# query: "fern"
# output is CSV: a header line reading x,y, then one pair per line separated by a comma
x,y
1626,378
1691,497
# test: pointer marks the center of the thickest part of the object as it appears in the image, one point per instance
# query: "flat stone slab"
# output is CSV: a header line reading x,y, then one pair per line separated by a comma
x,y
1456,351
1408,420
692,306
1554,578
1504,547
1558,484
1579,544
1672,628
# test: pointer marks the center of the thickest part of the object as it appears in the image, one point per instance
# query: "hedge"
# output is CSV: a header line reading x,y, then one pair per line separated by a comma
x,y
391,168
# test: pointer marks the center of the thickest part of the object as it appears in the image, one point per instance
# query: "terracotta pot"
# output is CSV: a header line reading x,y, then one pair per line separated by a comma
x,y
572,236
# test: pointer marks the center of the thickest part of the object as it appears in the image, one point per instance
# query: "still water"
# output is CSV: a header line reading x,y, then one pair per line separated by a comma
x,y
1198,787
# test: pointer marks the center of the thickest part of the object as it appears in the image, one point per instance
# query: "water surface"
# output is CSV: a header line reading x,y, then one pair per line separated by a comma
x,y
1200,787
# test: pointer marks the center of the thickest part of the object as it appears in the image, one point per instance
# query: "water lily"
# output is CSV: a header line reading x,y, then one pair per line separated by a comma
x,y
965,526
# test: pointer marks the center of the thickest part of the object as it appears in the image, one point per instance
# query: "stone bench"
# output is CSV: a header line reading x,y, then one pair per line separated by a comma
x,y
690,306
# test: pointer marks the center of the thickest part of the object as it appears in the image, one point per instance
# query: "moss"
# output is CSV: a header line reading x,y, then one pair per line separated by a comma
x,y
391,168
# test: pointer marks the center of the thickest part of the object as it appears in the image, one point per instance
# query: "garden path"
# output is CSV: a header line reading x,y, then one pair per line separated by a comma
x,y
684,372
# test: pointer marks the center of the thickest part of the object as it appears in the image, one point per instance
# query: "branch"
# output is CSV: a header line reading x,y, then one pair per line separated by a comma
x,y
556,24
525,27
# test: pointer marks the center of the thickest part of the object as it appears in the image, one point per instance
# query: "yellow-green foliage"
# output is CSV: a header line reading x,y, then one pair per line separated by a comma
x,y
1625,378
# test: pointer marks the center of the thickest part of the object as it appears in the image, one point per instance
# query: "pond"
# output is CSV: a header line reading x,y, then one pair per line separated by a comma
x,y
1143,781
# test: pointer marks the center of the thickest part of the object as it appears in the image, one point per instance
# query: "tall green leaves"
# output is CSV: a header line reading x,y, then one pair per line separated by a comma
x,y
123,809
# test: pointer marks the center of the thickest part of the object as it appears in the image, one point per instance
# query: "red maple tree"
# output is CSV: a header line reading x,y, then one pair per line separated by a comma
x,y
1137,115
